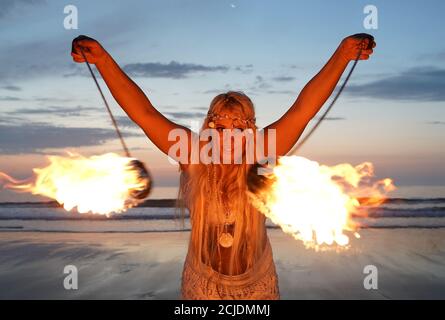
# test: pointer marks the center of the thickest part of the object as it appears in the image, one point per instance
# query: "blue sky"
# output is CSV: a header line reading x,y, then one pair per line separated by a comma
x,y
182,53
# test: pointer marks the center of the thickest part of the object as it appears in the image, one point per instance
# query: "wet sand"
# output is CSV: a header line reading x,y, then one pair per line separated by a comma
x,y
410,264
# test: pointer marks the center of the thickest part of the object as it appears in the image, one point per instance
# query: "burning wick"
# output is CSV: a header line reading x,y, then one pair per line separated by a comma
x,y
99,184
315,203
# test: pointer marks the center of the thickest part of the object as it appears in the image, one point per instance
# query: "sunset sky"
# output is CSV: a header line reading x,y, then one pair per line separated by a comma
x,y
183,53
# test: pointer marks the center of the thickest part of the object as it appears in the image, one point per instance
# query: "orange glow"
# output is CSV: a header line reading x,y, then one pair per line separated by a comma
x,y
98,184
314,203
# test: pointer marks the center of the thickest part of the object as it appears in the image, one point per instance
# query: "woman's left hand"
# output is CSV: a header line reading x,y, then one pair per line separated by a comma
x,y
351,46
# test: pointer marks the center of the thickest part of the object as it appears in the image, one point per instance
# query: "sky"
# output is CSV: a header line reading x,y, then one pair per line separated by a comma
x,y
183,53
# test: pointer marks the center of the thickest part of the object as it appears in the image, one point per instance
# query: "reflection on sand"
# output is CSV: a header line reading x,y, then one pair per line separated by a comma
x,y
411,265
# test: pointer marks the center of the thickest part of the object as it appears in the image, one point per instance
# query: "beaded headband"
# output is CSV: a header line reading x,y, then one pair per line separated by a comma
x,y
215,116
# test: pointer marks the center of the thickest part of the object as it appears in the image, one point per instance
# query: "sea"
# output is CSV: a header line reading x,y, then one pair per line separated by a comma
x,y
162,216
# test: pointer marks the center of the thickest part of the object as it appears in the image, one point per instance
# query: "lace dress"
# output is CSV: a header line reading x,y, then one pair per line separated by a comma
x,y
204,283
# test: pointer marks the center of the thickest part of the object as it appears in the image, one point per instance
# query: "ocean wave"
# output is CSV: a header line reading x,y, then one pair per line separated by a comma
x,y
22,229
164,213
433,212
162,225
170,203
402,201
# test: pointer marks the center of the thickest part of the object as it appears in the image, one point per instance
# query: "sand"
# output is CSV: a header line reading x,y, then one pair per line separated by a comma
x,y
410,264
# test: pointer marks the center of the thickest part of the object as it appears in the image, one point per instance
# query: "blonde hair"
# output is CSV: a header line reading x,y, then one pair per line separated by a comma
x,y
203,198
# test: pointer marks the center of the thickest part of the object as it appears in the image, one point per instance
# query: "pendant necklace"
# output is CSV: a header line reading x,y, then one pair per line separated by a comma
x,y
225,238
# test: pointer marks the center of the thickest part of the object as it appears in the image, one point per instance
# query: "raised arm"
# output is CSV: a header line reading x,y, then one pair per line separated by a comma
x,y
127,94
292,124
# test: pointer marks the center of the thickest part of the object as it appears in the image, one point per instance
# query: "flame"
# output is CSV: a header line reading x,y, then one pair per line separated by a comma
x,y
98,184
314,203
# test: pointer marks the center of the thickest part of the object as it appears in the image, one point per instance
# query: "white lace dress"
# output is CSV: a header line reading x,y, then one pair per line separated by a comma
x,y
204,283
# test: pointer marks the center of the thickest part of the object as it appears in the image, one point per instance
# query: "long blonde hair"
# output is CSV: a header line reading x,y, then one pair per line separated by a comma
x,y
227,182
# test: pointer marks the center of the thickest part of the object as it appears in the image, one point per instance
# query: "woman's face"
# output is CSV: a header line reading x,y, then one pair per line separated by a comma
x,y
228,127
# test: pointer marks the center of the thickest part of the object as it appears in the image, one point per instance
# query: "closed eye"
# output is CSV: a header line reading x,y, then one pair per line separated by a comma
x,y
220,129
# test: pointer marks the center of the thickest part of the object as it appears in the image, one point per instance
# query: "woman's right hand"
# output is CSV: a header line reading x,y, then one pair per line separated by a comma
x,y
91,48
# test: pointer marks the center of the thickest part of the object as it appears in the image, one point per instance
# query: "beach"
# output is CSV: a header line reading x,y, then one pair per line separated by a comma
x,y
148,265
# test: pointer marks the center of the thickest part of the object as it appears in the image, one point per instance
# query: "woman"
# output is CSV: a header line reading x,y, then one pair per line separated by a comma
x,y
229,255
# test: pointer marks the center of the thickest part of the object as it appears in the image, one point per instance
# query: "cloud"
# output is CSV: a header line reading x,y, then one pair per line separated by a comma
x,y
54,110
247,68
282,92
11,88
259,84
284,79
38,99
440,56
48,52
227,87
173,70
262,86
436,122
125,122
10,120
19,59
76,70
185,115
291,66
201,108
176,116
415,84
9,98
215,91
51,99
6,6
35,137
331,118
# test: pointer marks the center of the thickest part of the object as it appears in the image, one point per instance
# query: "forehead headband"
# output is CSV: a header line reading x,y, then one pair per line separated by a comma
x,y
214,116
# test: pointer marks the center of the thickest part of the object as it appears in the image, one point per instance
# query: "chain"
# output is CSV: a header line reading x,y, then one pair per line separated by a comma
x,y
300,144
113,120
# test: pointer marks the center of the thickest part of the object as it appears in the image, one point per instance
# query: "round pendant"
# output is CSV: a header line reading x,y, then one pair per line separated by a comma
x,y
226,240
